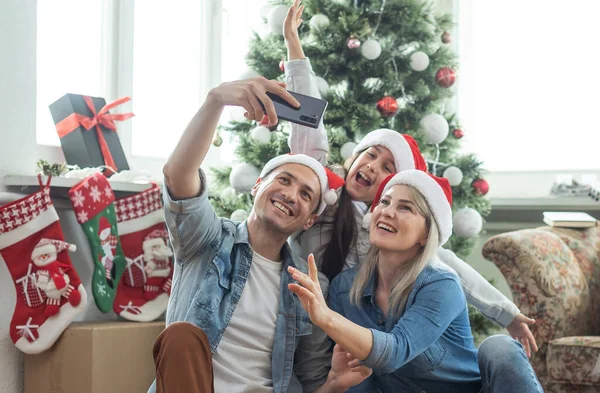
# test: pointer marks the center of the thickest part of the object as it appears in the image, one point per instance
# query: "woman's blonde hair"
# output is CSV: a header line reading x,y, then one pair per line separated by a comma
x,y
400,291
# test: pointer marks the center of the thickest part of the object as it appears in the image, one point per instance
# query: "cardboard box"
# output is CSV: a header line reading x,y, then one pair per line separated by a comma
x,y
96,357
80,146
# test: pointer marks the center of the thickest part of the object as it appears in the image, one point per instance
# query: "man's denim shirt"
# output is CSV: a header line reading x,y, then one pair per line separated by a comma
x,y
212,262
429,348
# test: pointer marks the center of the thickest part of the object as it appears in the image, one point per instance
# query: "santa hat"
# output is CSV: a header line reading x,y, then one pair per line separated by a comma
x,y
157,237
50,246
436,190
403,147
103,224
328,180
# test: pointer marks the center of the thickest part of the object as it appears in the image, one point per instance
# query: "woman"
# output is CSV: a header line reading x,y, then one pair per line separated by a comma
x,y
403,312
338,239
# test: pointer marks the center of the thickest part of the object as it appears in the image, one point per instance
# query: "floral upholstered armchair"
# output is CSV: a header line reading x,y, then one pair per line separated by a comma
x,y
554,276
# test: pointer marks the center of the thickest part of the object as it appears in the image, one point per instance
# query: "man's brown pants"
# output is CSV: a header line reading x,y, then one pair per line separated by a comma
x,y
183,360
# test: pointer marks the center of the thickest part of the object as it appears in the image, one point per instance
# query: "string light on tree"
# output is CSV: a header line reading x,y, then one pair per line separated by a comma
x,y
353,43
454,175
445,77
243,176
261,135
319,21
419,61
467,222
435,127
371,49
387,106
457,133
276,18
347,149
480,186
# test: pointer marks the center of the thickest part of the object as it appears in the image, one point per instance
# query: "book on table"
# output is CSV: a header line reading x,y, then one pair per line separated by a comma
x,y
569,219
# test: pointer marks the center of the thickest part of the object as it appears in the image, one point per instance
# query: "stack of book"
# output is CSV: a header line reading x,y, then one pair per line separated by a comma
x,y
570,220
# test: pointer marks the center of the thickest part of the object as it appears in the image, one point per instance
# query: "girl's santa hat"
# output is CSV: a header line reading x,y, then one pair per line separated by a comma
x,y
403,147
51,246
436,190
328,180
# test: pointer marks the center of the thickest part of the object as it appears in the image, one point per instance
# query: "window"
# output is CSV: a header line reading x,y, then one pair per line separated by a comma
x,y
527,91
69,57
167,69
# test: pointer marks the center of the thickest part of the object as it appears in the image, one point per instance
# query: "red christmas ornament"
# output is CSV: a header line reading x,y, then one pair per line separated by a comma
x,y
445,77
480,186
281,63
458,133
265,122
353,43
387,106
446,37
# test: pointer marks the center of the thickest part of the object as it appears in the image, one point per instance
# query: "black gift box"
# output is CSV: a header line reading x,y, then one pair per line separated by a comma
x,y
81,146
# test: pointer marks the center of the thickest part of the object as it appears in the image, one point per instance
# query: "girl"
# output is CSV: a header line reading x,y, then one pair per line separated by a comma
x,y
338,239
402,312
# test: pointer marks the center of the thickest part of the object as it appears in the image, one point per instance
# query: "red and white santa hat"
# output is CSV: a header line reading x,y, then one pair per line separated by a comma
x,y
103,224
403,147
436,190
157,237
328,180
51,246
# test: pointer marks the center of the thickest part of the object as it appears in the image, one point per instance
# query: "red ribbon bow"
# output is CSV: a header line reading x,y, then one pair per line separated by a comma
x,y
102,117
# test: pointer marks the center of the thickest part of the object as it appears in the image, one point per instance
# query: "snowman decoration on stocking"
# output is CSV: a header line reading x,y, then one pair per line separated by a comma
x,y
51,275
158,267
108,244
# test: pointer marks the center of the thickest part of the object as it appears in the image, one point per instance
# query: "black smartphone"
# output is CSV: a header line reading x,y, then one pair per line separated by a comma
x,y
309,114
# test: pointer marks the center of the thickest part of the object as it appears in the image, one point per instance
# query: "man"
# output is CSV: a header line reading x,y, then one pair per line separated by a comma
x,y
241,323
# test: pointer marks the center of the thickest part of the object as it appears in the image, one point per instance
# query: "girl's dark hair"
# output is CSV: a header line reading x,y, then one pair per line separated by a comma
x,y
343,239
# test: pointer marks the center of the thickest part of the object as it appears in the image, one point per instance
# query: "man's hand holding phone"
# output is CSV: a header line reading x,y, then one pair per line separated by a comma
x,y
250,93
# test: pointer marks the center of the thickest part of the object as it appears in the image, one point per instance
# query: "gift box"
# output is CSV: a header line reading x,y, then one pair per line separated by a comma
x,y
87,131
96,357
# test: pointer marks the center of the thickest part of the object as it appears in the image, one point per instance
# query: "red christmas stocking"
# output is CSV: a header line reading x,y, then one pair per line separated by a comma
x,y
143,292
49,292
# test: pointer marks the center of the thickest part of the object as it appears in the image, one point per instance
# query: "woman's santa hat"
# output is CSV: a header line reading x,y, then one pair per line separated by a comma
x,y
436,190
328,180
403,147
51,246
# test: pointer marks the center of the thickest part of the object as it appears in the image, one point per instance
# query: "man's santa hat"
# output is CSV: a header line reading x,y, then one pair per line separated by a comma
x,y
103,224
328,180
403,147
51,246
436,190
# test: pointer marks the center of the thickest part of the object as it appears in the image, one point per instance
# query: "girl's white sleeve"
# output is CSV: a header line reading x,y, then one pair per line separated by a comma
x,y
300,78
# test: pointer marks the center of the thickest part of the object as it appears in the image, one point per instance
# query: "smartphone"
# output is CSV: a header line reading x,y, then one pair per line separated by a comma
x,y
309,114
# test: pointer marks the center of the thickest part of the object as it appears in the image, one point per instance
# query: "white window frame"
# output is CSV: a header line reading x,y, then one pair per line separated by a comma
x,y
117,71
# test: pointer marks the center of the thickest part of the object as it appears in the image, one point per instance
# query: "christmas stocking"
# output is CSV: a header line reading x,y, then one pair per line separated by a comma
x,y
49,292
92,199
144,291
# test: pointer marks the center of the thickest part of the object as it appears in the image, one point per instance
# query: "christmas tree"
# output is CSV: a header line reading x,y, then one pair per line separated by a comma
x,y
379,64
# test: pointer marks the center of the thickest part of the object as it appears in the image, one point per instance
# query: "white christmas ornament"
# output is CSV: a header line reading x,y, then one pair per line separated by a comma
x,y
239,215
261,135
243,177
467,222
322,85
229,195
454,175
276,18
248,73
319,21
347,149
370,49
419,61
435,127
265,10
